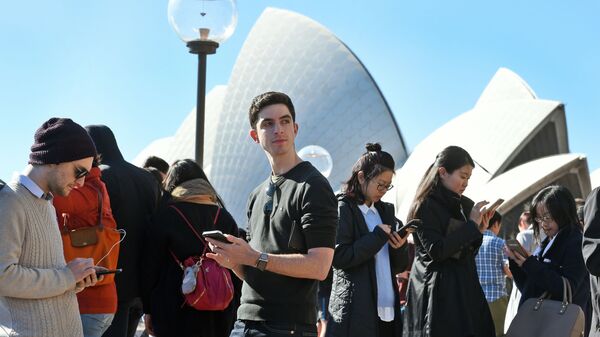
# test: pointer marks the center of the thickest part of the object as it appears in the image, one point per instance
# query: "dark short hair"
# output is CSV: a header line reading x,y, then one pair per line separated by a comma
x,y
496,218
559,202
269,98
372,163
158,163
155,173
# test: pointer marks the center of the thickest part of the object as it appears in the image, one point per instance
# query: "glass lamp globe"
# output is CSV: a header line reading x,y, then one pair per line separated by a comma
x,y
318,157
213,20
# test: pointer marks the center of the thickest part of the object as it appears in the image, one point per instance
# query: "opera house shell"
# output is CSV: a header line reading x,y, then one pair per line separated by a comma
x,y
519,143
338,107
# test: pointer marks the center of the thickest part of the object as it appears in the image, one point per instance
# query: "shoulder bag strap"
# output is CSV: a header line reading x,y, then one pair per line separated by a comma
x,y
193,230
99,222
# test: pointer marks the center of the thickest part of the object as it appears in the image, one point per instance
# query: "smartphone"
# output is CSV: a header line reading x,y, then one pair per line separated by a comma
x,y
217,235
107,271
515,246
492,207
414,223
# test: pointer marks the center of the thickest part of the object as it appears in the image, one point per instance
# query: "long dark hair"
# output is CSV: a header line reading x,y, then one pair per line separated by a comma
x,y
372,163
451,158
559,202
183,170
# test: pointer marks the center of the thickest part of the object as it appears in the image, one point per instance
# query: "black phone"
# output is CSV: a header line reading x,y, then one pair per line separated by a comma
x,y
515,246
216,234
414,223
107,271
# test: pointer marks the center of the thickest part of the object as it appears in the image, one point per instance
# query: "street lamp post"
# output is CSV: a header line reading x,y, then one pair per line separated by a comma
x,y
202,24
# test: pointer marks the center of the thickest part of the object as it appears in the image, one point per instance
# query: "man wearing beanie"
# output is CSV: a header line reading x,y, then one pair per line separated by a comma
x,y
38,285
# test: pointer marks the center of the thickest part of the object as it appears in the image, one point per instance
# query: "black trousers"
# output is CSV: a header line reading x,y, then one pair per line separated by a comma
x,y
386,329
126,319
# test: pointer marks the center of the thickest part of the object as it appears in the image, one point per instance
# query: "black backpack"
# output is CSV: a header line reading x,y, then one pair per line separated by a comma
x,y
2,184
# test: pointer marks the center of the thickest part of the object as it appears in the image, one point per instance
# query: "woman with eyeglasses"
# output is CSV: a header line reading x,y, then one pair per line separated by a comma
x,y
368,254
444,296
559,255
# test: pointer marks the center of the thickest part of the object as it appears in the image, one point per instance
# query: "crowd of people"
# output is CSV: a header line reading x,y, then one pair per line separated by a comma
x,y
92,243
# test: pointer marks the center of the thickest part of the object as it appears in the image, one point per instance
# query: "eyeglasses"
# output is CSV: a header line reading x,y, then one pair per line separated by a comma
x,y
268,207
545,218
383,187
80,172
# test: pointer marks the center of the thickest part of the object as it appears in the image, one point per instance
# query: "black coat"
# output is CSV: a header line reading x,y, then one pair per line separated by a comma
x,y
162,276
539,274
444,296
591,254
134,194
353,301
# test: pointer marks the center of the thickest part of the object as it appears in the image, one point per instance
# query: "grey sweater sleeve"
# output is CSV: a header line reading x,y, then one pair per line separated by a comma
x,y
23,274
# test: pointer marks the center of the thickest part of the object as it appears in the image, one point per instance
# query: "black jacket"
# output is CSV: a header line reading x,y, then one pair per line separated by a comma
x,y
162,276
134,195
444,296
353,301
591,254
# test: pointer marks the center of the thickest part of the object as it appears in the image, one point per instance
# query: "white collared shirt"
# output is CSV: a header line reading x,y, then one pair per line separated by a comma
x,y
34,188
383,272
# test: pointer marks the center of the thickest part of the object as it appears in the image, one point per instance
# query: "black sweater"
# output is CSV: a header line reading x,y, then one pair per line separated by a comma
x,y
304,216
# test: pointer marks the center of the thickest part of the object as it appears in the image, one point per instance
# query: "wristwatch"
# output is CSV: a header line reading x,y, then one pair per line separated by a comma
x,y
262,261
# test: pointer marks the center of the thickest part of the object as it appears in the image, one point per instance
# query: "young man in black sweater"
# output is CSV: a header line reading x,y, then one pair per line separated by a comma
x,y
292,219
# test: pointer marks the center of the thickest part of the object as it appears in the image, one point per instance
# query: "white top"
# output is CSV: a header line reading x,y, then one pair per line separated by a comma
x,y
383,272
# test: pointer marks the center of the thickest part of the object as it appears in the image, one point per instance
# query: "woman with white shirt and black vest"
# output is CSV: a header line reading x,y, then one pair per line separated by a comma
x,y
368,253
559,255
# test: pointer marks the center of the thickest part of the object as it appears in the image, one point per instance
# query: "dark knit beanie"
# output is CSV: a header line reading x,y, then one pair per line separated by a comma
x,y
60,140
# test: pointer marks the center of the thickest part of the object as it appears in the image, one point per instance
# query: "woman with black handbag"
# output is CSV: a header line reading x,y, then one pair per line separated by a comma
x,y
193,208
559,255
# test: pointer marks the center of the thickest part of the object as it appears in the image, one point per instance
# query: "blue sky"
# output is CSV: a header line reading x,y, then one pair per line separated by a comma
x,y
119,63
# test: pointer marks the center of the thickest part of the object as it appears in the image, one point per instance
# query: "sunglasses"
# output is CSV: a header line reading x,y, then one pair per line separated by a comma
x,y
268,207
80,172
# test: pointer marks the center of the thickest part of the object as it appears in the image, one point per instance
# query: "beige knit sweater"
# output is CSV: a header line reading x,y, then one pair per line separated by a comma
x,y
34,280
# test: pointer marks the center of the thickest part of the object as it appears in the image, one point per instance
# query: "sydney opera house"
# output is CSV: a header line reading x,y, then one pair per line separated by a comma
x,y
519,141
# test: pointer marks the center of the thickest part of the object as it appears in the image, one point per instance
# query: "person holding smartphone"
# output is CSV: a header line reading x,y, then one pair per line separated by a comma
x,y
444,296
368,253
559,255
170,240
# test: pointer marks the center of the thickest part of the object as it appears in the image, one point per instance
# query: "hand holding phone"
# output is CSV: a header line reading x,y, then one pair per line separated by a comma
x,y
104,271
216,235
515,246
412,224
492,208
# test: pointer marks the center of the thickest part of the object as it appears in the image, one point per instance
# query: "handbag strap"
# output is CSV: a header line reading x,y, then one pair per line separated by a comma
x,y
185,219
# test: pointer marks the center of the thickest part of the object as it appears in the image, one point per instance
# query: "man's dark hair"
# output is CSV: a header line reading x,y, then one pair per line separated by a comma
x,y
496,218
158,163
269,98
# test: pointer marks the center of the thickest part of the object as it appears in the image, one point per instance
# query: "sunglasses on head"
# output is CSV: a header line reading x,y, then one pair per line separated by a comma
x,y
268,207
80,172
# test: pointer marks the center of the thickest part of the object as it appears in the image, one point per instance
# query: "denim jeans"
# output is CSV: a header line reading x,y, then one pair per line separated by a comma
x,y
272,329
94,325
